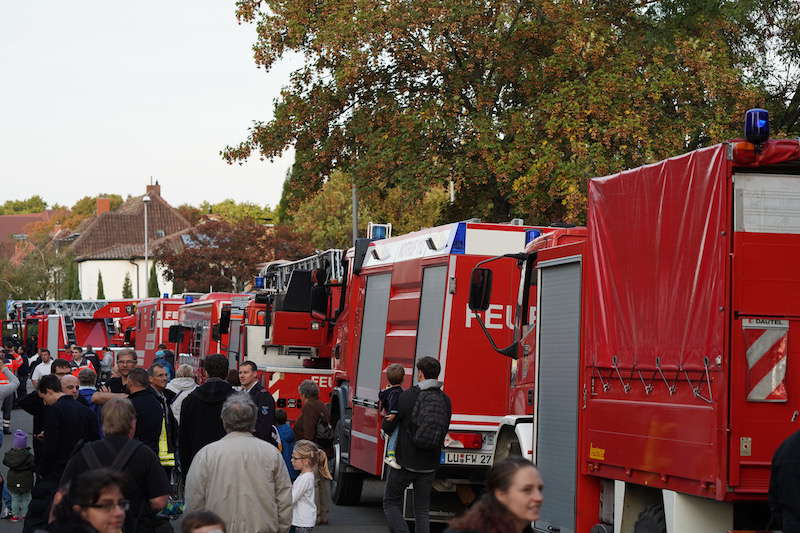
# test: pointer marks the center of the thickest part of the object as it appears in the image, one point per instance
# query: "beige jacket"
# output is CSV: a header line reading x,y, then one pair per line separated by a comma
x,y
244,480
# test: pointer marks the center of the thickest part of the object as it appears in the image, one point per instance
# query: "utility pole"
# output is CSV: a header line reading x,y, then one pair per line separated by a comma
x,y
146,201
355,213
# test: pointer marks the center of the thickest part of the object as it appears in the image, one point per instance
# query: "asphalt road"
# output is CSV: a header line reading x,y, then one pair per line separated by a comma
x,y
366,517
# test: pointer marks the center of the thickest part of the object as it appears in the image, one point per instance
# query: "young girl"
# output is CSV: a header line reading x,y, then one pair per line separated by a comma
x,y
307,458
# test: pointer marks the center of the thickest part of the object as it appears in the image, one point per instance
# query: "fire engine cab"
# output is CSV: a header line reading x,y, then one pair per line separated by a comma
x,y
406,297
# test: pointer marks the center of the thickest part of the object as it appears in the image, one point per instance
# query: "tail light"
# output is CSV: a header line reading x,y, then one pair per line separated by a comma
x,y
470,441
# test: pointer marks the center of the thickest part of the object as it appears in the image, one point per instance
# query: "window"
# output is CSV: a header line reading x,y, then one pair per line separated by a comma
x,y
766,203
431,307
373,336
160,233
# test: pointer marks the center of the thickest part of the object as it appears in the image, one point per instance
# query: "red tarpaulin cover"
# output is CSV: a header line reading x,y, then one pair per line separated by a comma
x,y
657,259
657,253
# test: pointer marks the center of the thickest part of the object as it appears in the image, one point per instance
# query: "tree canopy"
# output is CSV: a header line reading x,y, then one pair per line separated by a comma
x,y
225,256
517,102
34,204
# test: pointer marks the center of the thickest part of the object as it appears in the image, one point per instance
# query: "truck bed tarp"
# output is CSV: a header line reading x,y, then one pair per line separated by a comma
x,y
657,260
658,239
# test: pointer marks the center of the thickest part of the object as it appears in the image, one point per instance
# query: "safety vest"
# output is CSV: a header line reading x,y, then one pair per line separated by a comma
x,y
88,365
165,457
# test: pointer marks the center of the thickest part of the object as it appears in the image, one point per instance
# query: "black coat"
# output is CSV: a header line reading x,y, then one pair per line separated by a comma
x,y
65,423
265,405
784,485
408,455
200,419
34,406
148,417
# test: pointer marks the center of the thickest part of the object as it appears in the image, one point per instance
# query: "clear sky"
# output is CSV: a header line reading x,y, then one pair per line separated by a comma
x,y
97,96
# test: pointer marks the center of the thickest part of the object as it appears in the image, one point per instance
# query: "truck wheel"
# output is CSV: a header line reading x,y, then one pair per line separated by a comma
x,y
346,486
651,520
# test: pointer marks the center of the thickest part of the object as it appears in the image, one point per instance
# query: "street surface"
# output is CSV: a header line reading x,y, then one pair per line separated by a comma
x,y
367,517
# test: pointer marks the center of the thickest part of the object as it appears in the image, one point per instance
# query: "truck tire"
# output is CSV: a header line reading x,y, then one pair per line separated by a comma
x,y
346,486
651,520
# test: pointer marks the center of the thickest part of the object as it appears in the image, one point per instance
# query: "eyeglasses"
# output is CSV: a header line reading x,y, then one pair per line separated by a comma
x,y
109,506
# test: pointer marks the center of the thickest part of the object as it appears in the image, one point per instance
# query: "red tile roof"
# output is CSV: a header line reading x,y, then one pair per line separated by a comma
x,y
16,225
120,234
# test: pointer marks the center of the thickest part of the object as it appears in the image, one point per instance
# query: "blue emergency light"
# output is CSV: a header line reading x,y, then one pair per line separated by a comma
x,y
259,284
531,234
165,295
188,299
756,125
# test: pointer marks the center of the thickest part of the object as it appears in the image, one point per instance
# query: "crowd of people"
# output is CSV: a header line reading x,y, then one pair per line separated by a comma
x,y
116,447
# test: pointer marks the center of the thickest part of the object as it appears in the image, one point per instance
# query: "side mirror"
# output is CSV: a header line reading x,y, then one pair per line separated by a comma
x,y
225,320
215,334
480,289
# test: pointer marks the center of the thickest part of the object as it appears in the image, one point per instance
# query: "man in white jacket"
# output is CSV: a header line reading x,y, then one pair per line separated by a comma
x,y
262,501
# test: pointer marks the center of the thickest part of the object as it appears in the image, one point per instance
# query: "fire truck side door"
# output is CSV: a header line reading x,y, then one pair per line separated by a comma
x,y
364,432
556,409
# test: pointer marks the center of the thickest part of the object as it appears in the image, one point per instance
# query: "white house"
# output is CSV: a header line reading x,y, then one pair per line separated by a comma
x,y
112,243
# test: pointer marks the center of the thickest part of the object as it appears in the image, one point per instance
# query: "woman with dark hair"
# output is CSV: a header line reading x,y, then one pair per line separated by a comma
x,y
93,503
511,502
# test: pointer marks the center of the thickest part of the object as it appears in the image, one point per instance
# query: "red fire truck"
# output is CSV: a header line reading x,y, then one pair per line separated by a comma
x,y
662,343
277,329
153,319
406,297
202,326
56,324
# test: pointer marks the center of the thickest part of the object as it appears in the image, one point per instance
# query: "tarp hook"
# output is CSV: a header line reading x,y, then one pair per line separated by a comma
x,y
670,388
626,387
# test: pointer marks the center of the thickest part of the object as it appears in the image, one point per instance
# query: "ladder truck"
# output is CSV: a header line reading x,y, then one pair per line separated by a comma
x,y
282,332
57,324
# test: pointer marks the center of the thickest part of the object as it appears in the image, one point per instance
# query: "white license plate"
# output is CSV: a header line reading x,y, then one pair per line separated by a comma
x,y
465,458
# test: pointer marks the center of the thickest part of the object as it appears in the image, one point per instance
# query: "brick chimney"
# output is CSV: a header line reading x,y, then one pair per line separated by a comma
x,y
103,205
154,189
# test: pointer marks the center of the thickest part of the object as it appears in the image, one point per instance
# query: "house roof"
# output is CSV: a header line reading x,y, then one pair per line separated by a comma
x,y
11,225
119,234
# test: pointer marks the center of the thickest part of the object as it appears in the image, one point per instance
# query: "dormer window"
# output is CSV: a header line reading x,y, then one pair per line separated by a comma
x,y
159,233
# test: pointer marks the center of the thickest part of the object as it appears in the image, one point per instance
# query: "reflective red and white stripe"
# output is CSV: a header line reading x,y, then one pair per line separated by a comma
x,y
766,343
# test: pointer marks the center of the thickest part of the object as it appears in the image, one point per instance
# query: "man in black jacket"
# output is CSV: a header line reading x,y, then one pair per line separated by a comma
x,y
65,423
418,465
200,412
265,403
147,488
148,408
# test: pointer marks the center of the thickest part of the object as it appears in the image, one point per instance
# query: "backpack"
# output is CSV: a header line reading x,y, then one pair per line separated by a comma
x,y
120,460
324,431
430,419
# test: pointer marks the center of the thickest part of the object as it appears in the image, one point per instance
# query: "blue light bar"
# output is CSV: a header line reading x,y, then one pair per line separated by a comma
x,y
188,299
756,125
531,234
165,295
459,245
259,284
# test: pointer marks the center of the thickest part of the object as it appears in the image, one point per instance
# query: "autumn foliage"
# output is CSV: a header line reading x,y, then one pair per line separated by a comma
x,y
518,102
224,256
